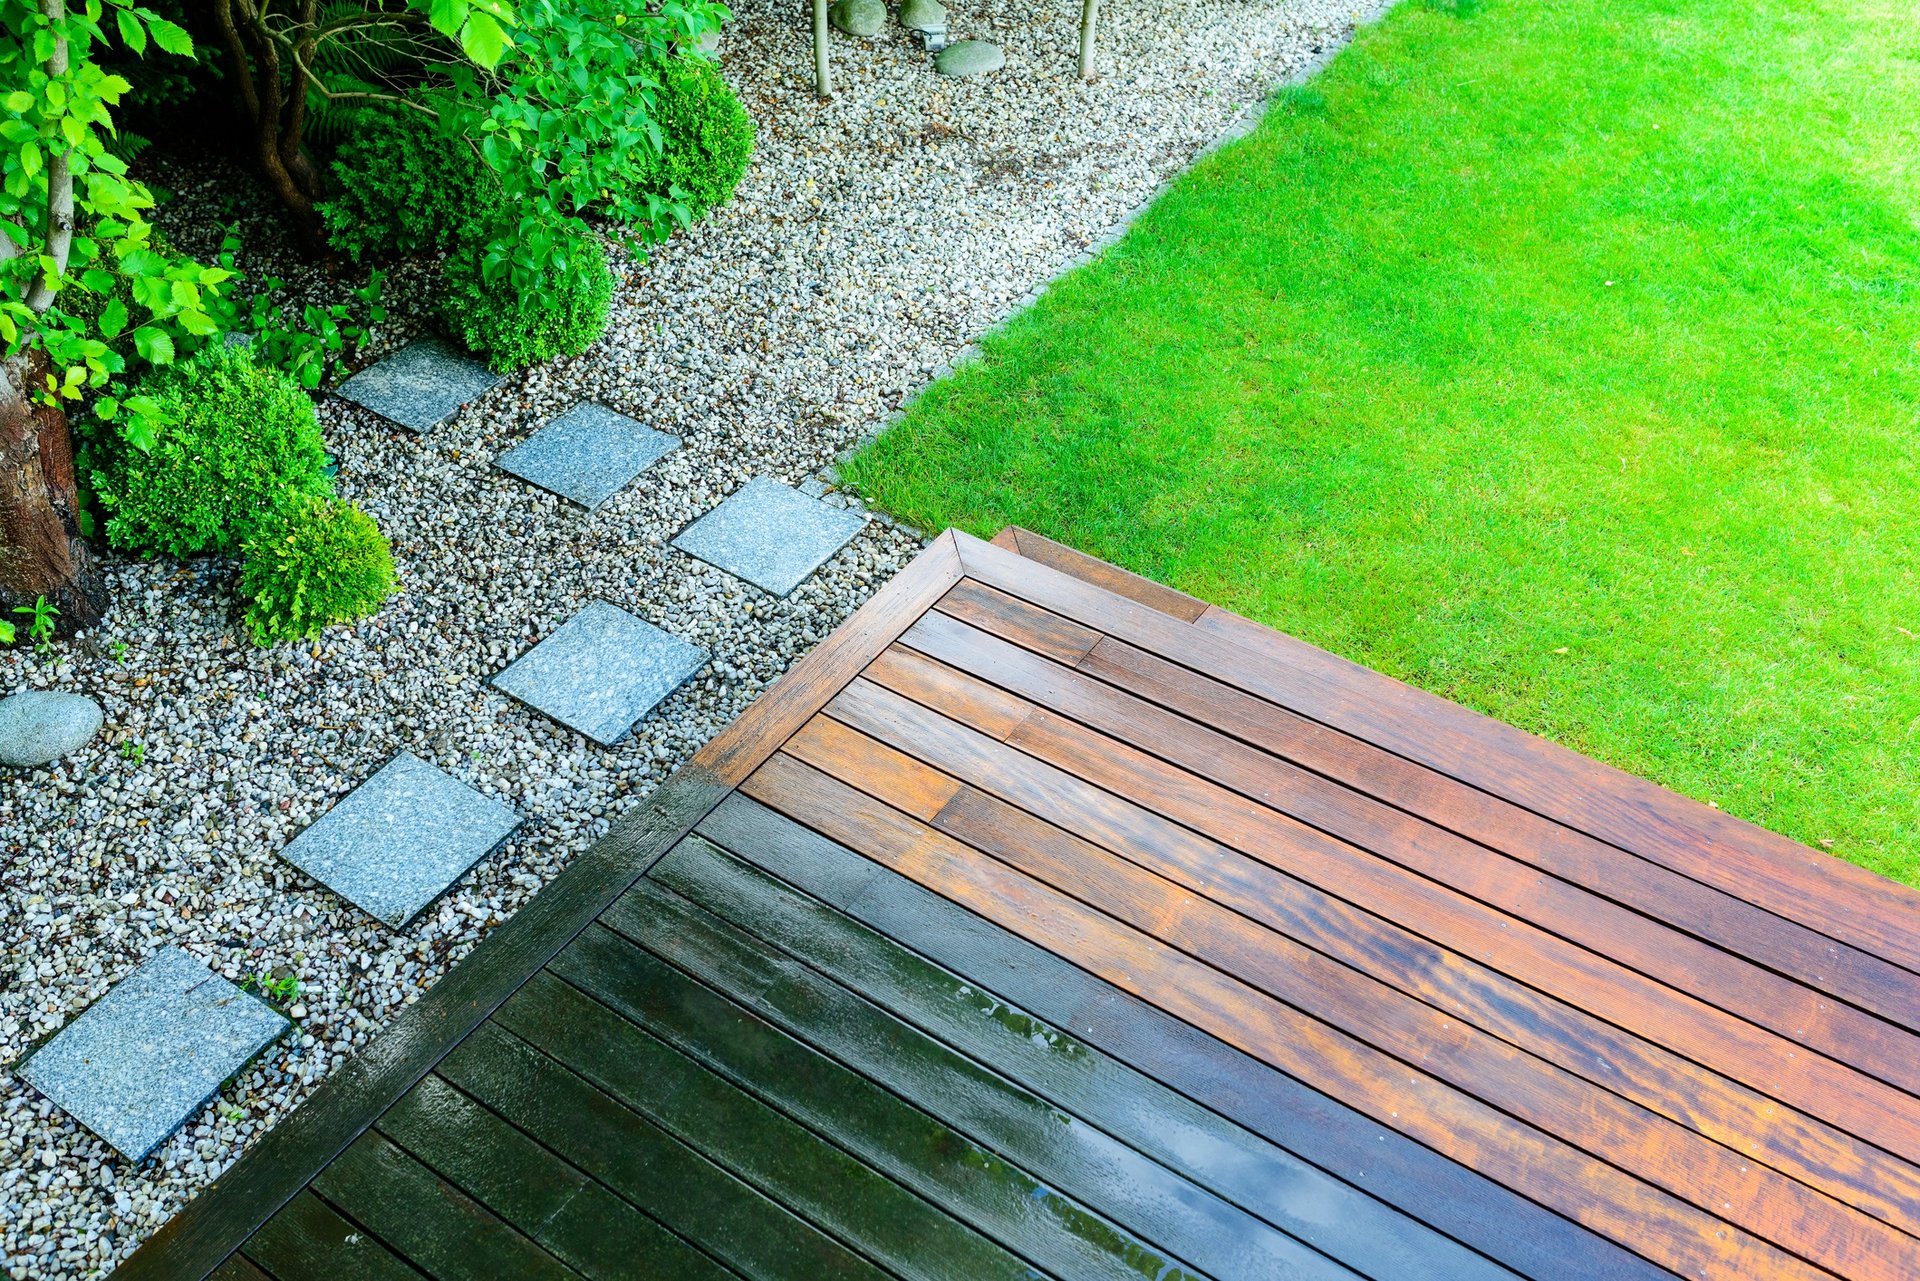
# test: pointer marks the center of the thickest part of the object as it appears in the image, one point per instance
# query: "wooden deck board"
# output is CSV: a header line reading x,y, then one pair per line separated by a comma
x,y
1047,922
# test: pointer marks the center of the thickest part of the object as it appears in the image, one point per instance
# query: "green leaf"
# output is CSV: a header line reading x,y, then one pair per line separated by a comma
x,y
106,408
131,31
18,101
153,344
447,15
170,37
113,319
8,633
484,40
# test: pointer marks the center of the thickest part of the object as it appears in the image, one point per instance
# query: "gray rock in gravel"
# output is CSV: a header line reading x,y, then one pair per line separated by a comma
x,y
970,58
38,726
923,15
859,17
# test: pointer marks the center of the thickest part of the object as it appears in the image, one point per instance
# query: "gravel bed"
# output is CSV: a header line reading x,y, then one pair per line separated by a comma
x,y
875,237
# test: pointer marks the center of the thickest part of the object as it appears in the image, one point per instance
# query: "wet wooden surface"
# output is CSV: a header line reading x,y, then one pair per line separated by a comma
x,y
1045,922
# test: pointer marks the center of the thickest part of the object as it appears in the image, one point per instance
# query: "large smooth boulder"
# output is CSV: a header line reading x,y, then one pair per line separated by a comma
x,y
970,58
38,726
859,17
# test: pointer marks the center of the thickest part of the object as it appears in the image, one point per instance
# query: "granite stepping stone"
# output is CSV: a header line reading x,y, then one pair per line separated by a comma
x,y
400,839
601,672
588,454
769,534
137,1063
422,385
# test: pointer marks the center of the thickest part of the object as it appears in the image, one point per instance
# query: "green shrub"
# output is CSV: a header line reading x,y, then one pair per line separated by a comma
x,y
237,439
517,330
402,187
313,562
708,134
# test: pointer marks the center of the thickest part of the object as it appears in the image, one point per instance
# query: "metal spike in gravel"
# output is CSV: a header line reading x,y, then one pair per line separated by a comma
x,y
588,454
137,1063
601,672
422,385
770,535
400,839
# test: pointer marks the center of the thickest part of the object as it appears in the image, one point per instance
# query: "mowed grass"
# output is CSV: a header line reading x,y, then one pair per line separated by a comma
x,y
1561,357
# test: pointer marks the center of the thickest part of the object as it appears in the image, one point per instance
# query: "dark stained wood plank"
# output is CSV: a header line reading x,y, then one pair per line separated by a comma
x,y
1058,1148
733,753
1024,542
1665,1228
428,1221
572,1217
1746,931
647,1166
1444,1033
996,1197
789,1164
1836,898
1457,1201
1344,1223
1063,785
239,1268
307,1240
274,1170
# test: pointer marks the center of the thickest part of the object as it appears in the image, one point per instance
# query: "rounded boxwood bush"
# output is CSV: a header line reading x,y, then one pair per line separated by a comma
x,y
401,187
239,439
708,134
310,564
515,330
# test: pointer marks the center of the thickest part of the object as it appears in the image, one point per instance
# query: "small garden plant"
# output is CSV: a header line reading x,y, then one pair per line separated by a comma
x,y
240,439
516,329
402,187
314,562
709,136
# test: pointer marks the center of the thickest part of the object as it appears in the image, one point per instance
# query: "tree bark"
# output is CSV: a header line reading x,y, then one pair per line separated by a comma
x,y
41,551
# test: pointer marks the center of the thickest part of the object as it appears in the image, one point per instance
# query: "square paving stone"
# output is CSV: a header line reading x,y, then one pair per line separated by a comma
x,y
400,839
138,1062
769,534
587,454
601,672
421,385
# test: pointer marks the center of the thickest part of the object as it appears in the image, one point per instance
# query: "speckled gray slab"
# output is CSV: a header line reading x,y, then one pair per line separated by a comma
x,y
421,385
601,672
143,1058
400,838
770,535
587,454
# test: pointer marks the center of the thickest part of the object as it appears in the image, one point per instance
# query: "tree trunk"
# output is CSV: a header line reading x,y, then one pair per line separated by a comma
x,y
822,69
41,551
1089,24
275,100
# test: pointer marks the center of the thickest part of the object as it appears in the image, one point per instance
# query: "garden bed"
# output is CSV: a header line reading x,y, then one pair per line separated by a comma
x,y
874,238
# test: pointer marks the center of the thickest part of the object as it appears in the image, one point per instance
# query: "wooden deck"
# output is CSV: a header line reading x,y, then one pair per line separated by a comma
x,y
1046,922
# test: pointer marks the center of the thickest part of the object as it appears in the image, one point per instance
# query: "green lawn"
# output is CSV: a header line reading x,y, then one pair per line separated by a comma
x,y
1562,357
